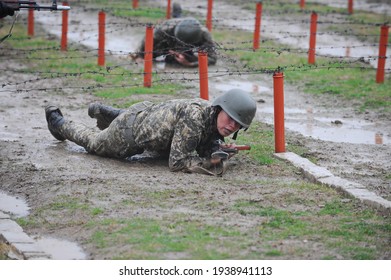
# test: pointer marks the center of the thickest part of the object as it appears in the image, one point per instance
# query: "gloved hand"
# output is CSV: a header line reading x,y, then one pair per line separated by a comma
x,y
6,10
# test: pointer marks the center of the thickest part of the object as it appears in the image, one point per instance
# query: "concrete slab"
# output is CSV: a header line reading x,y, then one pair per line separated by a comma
x,y
310,170
25,248
321,175
9,225
4,215
16,237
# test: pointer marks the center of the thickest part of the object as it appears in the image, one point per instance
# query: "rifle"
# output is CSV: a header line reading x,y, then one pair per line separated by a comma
x,y
22,4
224,152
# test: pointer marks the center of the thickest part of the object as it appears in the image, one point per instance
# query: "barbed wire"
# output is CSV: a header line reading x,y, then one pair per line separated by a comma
x,y
238,68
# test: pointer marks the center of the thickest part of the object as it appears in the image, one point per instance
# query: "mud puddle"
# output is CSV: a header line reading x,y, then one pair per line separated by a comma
x,y
60,249
121,37
57,249
14,205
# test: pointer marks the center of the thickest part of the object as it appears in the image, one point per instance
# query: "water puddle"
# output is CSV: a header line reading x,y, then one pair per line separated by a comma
x,y
309,120
60,249
13,205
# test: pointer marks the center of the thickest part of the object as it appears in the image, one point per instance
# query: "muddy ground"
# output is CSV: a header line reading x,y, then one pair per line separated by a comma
x,y
40,169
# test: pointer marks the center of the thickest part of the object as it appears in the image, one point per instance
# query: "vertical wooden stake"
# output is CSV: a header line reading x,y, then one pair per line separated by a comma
x,y
257,30
101,38
203,73
135,4
279,124
382,54
350,7
148,56
64,33
168,11
209,15
311,51
30,23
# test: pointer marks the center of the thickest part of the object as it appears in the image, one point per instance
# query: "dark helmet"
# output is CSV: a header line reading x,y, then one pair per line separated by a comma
x,y
239,105
188,31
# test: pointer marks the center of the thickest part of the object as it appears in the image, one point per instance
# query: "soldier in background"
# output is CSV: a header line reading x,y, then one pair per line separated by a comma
x,y
185,130
178,40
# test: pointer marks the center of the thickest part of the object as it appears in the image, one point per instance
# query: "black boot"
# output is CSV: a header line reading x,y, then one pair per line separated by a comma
x,y
55,120
103,114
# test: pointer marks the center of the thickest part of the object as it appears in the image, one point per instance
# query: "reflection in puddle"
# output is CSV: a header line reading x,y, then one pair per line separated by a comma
x,y
15,206
60,249
309,121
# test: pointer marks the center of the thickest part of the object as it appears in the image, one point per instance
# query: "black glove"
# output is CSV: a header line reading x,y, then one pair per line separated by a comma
x,y
5,10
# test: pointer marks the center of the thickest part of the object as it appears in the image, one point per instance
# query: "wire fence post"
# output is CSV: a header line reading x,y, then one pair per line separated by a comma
x,y
209,15
168,11
203,73
350,7
381,63
311,51
257,30
135,4
148,56
101,38
64,32
279,125
30,22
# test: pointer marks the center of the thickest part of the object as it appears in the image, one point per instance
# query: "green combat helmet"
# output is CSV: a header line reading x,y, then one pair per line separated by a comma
x,y
239,105
188,31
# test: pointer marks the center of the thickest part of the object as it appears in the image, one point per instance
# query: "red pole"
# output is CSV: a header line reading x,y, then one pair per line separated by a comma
x,y
209,15
135,4
382,54
257,30
148,56
203,73
168,12
101,38
30,21
311,52
279,126
350,7
64,33
302,4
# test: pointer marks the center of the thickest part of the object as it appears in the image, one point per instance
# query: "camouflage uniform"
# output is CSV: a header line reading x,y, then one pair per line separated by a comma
x,y
164,40
183,129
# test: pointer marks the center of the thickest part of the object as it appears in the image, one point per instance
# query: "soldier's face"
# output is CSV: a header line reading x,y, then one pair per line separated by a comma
x,y
226,125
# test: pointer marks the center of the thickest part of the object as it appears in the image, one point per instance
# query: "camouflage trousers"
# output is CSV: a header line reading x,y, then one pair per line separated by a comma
x,y
116,141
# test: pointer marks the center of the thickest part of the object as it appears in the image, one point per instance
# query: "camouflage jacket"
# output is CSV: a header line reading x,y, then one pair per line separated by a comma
x,y
183,129
164,40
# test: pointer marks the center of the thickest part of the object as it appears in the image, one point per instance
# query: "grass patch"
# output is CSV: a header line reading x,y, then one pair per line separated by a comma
x,y
155,239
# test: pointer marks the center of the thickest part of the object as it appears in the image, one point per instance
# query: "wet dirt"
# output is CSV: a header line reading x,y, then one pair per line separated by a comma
x,y
38,168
